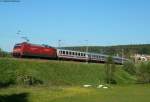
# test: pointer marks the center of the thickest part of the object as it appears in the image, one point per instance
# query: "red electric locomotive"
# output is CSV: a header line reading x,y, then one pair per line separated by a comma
x,y
31,50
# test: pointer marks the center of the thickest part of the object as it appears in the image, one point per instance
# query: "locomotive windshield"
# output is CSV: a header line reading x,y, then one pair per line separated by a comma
x,y
17,46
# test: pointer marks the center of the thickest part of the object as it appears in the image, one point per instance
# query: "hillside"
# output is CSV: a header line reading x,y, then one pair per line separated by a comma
x,y
49,72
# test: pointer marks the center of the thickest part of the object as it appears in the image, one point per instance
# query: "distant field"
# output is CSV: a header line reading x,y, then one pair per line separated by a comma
x,y
128,93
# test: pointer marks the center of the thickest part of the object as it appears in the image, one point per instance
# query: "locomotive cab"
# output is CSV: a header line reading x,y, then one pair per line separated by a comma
x,y
17,50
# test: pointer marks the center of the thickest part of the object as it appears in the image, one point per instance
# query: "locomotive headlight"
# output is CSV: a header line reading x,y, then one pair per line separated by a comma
x,y
16,50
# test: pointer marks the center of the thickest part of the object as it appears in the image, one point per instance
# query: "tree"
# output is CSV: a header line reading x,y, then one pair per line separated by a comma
x,y
4,54
0,52
148,71
110,70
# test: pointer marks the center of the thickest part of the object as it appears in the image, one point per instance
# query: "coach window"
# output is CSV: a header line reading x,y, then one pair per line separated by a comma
x,y
93,56
78,54
67,52
72,53
81,54
84,54
63,52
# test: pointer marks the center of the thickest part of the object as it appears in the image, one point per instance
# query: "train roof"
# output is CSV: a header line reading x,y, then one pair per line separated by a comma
x,y
41,45
84,52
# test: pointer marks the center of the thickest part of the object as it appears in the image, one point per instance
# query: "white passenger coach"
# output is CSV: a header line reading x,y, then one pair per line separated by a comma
x,y
84,56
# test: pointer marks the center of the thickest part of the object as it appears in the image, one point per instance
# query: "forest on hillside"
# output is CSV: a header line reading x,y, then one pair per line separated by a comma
x,y
126,50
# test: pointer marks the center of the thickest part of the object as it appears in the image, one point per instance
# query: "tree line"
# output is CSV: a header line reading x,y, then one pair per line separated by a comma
x,y
127,50
4,53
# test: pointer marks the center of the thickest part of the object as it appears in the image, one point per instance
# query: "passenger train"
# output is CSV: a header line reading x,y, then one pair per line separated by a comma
x,y
43,51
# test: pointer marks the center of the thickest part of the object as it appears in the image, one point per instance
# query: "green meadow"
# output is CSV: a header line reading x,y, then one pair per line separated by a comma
x,y
36,80
128,93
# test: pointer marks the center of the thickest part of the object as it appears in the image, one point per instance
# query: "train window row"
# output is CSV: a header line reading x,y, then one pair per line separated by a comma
x,y
97,56
82,54
72,53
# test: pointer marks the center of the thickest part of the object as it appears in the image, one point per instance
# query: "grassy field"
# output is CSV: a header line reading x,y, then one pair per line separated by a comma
x,y
52,72
62,81
130,93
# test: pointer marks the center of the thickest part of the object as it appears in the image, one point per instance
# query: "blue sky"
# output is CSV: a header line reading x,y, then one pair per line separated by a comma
x,y
101,22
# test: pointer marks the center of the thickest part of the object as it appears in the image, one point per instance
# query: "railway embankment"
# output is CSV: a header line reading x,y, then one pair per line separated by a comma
x,y
56,73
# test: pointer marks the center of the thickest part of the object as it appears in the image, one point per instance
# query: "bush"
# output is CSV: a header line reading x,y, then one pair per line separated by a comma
x,y
27,79
143,73
7,75
129,67
14,74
